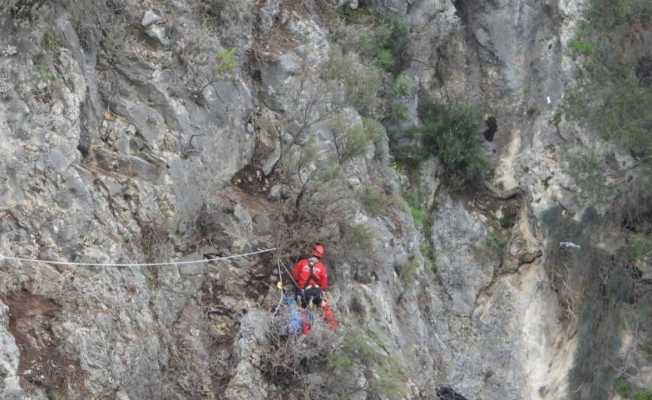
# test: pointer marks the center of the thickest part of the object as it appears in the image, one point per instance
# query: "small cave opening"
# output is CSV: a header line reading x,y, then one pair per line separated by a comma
x,y
492,127
448,393
460,9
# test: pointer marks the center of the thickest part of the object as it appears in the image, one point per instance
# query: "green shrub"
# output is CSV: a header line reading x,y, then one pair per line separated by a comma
x,y
50,41
581,47
378,203
622,387
330,173
497,242
409,270
640,246
644,395
419,215
374,129
359,16
451,133
427,251
386,47
415,202
403,85
610,97
362,349
226,62
361,83
399,112
353,141
360,238
647,348
588,171
52,394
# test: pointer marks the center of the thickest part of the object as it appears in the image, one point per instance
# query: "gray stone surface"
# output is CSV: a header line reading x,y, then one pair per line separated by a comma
x,y
9,357
459,238
119,149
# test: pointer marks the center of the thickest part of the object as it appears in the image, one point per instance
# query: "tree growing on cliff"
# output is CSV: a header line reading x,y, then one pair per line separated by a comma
x,y
451,133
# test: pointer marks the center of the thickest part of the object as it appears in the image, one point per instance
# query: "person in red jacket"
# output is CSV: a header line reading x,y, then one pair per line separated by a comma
x,y
311,278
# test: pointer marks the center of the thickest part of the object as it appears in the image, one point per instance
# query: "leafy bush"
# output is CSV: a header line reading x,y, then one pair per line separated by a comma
x,y
359,237
359,16
581,47
622,387
415,202
398,112
404,84
386,47
50,41
378,203
497,242
361,83
640,246
353,141
428,252
610,96
644,395
409,270
451,133
363,350
226,62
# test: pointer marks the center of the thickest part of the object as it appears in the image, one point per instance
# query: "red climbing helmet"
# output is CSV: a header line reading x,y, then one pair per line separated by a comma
x,y
318,250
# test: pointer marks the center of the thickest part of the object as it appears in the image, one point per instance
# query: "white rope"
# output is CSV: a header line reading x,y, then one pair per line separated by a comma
x,y
87,264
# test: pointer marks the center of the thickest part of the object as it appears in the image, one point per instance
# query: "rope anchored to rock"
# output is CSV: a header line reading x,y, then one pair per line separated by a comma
x,y
97,264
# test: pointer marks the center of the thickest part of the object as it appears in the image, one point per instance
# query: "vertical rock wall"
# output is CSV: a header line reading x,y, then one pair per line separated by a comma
x,y
151,131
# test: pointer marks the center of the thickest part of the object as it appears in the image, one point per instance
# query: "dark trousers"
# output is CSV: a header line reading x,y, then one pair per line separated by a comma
x,y
309,296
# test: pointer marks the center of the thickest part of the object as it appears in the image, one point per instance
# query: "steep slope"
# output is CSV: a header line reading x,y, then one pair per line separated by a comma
x,y
164,130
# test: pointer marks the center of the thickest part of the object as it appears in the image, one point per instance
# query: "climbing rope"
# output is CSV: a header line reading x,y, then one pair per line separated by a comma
x,y
89,264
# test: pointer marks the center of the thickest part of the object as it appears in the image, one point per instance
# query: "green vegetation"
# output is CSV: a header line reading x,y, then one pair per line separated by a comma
x,y
353,141
450,132
639,247
398,112
378,203
360,238
387,45
53,394
409,270
226,62
644,395
622,387
611,95
46,73
497,242
414,200
361,83
359,16
404,85
428,252
581,47
50,41
364,349
626,391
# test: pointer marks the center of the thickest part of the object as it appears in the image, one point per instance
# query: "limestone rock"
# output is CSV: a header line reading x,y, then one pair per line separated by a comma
x,y
150,18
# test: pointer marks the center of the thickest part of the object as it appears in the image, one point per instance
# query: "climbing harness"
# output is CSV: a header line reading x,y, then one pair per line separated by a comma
x,y
89,264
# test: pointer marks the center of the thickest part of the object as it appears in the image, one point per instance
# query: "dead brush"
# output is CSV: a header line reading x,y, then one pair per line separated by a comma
x,y
291,358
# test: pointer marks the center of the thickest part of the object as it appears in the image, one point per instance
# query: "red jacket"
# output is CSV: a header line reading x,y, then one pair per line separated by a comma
x,y
301,274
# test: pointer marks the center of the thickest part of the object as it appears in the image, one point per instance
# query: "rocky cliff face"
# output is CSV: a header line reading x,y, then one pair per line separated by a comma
x,y
138,132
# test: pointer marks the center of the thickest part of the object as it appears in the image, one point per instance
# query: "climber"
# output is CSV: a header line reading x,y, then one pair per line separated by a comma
x,y
311,279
